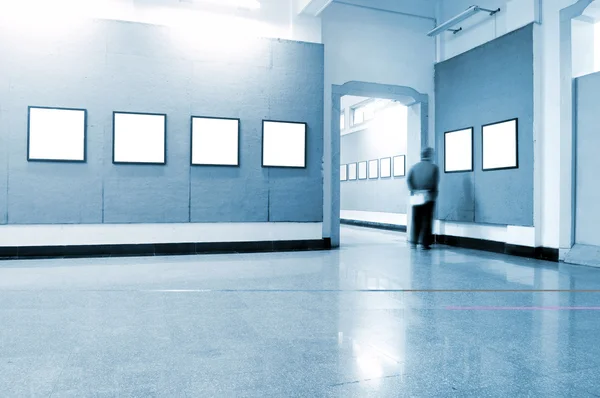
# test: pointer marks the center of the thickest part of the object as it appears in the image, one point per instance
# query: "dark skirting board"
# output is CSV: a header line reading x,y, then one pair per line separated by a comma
x,y
160,249
540,253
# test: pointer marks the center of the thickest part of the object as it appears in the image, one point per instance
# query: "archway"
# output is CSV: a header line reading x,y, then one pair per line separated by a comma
x,y
418,134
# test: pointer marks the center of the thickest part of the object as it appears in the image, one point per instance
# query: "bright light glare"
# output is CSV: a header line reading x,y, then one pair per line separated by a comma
x,y
38,18
249,4
370,366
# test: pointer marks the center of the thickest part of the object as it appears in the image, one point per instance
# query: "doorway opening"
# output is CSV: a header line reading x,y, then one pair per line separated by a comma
x,y
382,129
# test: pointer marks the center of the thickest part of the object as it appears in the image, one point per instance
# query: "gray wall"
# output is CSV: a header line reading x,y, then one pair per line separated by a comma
x,y
388,195
488,84
587,216
145,68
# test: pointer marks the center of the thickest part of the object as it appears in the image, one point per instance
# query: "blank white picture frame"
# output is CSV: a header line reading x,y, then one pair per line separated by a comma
x,y
399,166
139,138
215,141
352,174
373,169
500,145
362,170
343,172
385,167
56,134
284,144
458,151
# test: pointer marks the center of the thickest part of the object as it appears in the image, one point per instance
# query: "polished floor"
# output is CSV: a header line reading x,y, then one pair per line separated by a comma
x,y
373,319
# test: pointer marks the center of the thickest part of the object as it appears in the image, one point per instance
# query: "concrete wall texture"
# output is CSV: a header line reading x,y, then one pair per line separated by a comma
x,y
587,214
134,67
491,83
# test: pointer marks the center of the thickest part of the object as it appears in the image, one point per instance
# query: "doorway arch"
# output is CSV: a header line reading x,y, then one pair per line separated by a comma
x,y
418,137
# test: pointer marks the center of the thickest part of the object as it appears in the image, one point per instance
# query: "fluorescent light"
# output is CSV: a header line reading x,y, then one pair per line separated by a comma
x,y
249,4
468,13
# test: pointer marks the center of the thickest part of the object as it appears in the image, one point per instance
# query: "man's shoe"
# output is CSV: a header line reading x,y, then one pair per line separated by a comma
x,y
426,248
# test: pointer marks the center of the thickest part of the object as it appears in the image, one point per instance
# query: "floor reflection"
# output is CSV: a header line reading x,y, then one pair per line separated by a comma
x,y
373,319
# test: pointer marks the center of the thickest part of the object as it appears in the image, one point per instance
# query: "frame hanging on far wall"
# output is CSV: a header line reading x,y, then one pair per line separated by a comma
x,y
362,170
352,171
458,151
400,166
373,169
343,172
499,145
385,168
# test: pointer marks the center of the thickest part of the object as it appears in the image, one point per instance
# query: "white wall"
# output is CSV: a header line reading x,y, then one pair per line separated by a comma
x,y
547,129
275,18
108,234
482,27
583,37
597,47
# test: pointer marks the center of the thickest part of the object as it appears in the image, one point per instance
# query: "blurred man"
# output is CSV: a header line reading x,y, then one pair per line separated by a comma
x,y
423,179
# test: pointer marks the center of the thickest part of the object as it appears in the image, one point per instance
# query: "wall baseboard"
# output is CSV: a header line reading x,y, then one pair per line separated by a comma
x,y
540,253
160,249
376,225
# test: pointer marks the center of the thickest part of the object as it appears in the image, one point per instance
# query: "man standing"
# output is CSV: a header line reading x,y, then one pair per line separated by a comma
x,y
423,179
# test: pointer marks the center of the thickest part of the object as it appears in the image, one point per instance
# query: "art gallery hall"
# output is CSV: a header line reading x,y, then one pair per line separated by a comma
x,y
216,198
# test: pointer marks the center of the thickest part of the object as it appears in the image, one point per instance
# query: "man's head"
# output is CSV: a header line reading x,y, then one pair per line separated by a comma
x,y
427,154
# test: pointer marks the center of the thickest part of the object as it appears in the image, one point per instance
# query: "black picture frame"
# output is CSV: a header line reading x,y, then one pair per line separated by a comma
x,y
366,170
516,166
390,168
192,141
355,171
369,169
472,151
394,168
262,153
85,119
342,167
164,162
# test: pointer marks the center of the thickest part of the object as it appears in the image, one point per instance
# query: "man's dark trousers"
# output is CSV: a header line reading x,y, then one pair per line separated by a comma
x,y
422,219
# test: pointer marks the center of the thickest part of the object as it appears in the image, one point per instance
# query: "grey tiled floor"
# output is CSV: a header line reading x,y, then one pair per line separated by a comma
x,y
369,320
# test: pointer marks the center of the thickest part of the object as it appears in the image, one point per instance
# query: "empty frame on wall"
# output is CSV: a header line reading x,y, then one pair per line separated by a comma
x,y
385,168
399,166
374,169
284,144
56,134
362,170
499,145
343,172
139,138
458,150
215,141
352,172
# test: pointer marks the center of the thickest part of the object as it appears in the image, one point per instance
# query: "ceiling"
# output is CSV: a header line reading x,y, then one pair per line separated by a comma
x,y
417,7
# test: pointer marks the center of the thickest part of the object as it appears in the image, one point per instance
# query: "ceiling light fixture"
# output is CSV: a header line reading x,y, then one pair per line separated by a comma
x,y
468,13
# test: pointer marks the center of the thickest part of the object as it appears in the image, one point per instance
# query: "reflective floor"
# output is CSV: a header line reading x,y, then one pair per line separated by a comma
x,y
373,319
